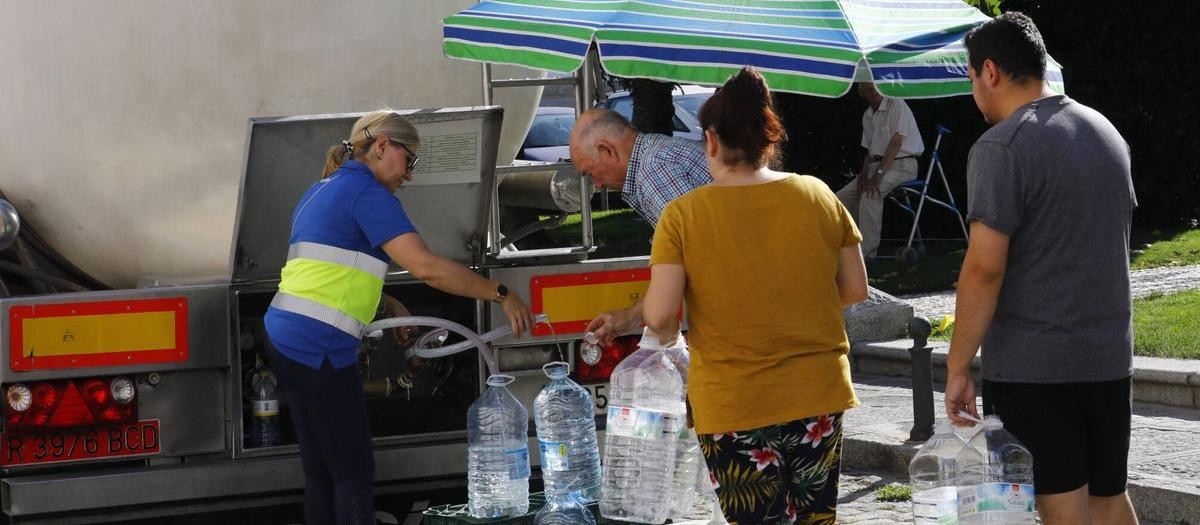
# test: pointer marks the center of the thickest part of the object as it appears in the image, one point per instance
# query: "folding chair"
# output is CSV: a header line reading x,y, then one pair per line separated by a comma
x,y
918,189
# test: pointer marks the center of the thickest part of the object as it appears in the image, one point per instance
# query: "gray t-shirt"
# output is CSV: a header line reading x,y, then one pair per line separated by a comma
x,y
1055,177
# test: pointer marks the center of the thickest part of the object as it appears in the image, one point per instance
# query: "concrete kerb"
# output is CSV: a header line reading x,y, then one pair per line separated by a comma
x,y
1173,382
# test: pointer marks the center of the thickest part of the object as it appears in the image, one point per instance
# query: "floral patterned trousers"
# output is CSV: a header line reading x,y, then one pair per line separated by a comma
x,y
786,473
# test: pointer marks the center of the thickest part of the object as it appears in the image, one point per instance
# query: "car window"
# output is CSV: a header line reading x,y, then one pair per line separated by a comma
x,y
550,130
691,103
679,125
624,106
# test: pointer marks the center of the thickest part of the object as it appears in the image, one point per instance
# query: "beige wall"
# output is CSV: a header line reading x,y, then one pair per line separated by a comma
x,y
123,122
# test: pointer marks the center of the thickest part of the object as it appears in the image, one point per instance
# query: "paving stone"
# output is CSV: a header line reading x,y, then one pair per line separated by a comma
x,y
1142,283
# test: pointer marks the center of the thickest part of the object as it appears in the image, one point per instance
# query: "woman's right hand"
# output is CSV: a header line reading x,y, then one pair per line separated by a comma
x,y
519,315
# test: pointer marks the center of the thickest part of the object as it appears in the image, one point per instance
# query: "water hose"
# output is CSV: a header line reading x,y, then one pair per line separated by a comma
x,y
473,339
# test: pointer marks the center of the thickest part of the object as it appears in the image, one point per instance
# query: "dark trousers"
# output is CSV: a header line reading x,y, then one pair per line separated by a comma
x,y
329,413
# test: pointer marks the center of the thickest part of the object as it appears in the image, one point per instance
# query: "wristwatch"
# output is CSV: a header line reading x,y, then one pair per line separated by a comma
x,y
501,293
878,172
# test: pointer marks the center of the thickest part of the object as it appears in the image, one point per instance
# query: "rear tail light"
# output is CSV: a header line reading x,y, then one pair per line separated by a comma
x,y
123,390
19,398
609,357
71,403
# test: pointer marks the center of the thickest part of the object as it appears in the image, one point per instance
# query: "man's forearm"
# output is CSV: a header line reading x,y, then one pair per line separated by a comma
x,y
889,155
975,304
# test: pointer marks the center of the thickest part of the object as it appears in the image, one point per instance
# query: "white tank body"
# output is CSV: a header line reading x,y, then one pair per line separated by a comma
x,y
123,124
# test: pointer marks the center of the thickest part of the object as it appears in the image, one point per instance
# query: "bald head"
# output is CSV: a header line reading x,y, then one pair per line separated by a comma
x,y
596,125
601,142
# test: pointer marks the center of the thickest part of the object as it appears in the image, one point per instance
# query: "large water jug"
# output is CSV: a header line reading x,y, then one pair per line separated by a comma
x,y
618,473
497,453
687,450
995,478
564,509
640,464
932,476
566,429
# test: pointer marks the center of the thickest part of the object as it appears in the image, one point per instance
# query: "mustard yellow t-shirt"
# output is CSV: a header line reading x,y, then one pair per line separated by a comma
x,y
765,328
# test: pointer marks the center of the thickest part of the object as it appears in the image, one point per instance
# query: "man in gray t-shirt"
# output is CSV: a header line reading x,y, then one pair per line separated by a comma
x,y
1044,288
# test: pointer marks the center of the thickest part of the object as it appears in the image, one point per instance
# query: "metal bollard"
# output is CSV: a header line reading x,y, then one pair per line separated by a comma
x,y
922,380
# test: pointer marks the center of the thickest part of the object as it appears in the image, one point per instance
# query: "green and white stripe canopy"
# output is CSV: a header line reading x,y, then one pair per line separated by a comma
x,y
910,48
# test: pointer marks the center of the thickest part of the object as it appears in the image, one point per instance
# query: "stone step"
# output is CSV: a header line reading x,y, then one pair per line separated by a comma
x,y
1173,382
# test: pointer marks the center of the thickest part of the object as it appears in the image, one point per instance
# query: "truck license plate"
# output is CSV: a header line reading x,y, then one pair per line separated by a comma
x,y
78,444
599,393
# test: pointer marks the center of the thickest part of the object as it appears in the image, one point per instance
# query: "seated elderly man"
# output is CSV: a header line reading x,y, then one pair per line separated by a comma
x,y
893,144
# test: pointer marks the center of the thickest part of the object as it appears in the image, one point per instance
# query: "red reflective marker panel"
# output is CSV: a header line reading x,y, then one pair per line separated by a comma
x,y
78,444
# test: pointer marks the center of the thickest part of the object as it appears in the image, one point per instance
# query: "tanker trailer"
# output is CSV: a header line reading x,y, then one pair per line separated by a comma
x,y
130,299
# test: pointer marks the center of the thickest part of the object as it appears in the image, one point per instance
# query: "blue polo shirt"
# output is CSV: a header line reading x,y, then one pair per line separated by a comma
x,y
351,210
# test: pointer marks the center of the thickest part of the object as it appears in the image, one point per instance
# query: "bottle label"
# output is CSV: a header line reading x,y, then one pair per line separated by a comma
x,y
265,407
517,460
555,456
638,423
996,497
937,505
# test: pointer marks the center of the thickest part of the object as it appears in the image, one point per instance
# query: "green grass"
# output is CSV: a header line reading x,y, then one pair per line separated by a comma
x,y
1167,325
1156,249
1163,326
617,233
894,492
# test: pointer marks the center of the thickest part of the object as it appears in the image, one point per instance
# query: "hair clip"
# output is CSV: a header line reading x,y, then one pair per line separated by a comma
x,y
349,147
367,131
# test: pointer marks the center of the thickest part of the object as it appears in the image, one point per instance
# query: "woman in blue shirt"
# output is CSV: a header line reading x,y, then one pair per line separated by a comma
x,y
344,230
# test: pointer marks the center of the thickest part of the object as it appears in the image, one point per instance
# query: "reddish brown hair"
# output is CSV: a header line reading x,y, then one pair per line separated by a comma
x,y
740,114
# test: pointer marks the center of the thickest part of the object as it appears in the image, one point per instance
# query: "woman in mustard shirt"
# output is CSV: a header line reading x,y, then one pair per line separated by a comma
x,y
765,262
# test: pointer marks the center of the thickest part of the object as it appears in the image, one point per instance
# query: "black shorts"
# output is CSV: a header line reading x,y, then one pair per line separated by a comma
x,y
1078,432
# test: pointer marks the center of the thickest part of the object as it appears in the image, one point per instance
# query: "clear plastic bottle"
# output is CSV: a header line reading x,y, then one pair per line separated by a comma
x,y
497,453
620,470
687,450
995,478
564,509
566,429
932,476
640,464
264,410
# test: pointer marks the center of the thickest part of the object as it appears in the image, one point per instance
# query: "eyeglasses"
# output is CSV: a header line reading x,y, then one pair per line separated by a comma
x,y
412,157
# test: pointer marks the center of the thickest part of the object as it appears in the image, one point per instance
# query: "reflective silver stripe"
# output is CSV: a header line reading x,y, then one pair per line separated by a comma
x,y
318,311
342,256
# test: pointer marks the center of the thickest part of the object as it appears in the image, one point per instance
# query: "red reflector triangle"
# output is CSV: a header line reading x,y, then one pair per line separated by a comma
x,y
72,410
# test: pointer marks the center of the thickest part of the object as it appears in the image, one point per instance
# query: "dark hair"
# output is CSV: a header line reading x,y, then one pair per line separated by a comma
x,y
1012,42
740,114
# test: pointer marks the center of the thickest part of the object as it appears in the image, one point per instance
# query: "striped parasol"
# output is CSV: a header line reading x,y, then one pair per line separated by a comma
x,y
912,49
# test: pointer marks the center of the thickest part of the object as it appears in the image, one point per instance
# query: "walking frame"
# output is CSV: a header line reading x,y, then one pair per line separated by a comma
x,y
918,189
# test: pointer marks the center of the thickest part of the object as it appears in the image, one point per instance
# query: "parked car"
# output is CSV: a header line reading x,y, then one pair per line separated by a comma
x,y
550,133
687,108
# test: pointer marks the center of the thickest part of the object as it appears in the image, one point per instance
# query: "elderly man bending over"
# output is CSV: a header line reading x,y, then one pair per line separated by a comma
x,y
647,168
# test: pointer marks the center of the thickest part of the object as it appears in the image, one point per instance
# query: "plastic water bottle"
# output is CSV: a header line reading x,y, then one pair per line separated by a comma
x,y
264,410
995,478
566,429
564,509
497,453
932,475
645,414
687,451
